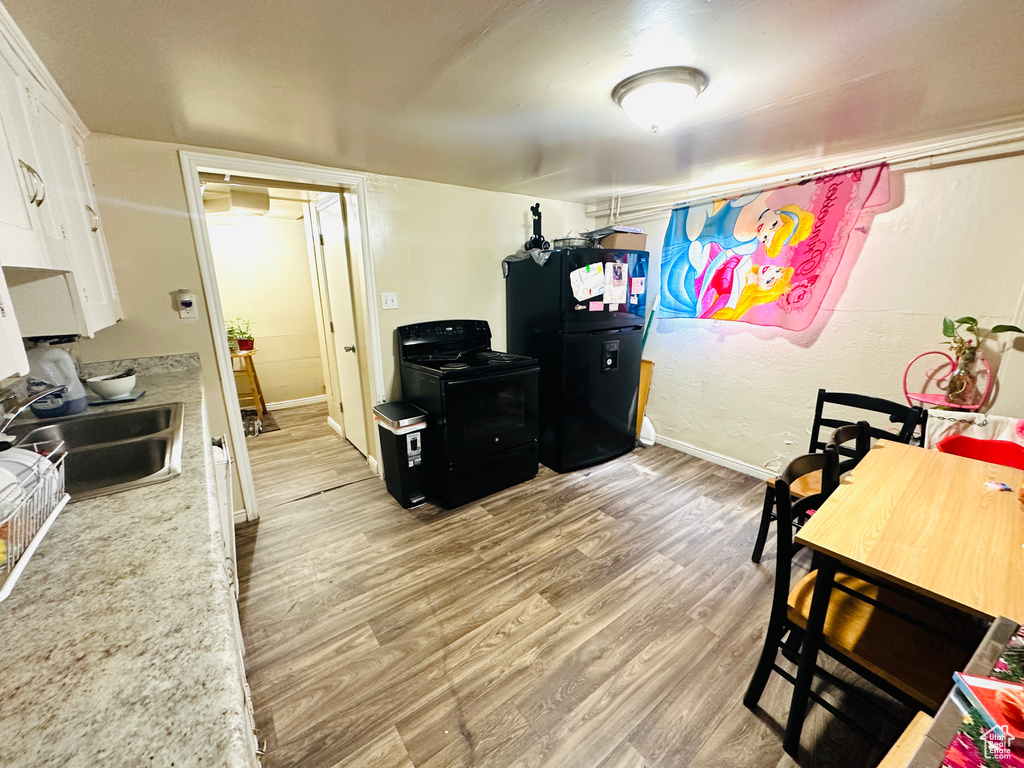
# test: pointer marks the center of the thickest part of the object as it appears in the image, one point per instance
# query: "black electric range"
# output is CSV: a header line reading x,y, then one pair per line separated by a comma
x,y
482,406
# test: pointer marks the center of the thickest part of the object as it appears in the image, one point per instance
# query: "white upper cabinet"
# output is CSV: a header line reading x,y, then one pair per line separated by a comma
x,y
52,248
91,272
32,126
19,190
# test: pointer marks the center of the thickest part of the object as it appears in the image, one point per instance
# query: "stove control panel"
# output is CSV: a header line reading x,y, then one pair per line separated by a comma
x,y
444,331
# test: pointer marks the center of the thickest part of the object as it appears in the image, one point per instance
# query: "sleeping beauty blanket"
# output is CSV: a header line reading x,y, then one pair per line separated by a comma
x,y
765,258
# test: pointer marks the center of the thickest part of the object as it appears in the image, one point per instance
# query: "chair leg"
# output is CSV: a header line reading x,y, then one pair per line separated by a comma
x,y
809,657
763,670
767,515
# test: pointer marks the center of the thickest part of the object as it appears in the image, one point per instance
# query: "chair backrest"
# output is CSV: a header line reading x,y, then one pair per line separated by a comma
x,y
790,511
860,435
908,417
994,451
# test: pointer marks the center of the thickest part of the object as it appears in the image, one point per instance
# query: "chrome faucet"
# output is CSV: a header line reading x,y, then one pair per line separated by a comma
x,y
7,396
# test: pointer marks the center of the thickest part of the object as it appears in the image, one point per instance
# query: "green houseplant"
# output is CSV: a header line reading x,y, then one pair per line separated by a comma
x,y
962,381
239,333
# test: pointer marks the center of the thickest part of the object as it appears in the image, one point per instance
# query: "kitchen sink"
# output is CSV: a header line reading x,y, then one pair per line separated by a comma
x,y
112,452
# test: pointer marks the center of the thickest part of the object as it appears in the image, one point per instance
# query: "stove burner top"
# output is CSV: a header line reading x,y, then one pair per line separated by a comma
x,y
497,358
454,366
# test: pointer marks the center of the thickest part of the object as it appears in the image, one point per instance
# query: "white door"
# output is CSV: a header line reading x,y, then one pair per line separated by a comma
x,y
340,313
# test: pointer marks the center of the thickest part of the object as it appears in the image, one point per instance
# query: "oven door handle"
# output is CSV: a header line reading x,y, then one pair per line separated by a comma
x,y
487,379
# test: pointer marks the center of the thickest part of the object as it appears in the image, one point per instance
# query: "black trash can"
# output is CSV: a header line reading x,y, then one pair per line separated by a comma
x,y
401,427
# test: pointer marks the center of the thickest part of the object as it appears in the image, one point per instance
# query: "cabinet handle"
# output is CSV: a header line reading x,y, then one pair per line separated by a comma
x,y
42,186
95,219
349,348
30,171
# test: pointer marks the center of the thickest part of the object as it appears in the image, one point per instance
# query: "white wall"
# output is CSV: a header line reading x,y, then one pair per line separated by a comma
x,y
950,246
263,275
440,248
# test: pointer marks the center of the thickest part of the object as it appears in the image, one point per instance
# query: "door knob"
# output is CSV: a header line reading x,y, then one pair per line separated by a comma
x,y
349,348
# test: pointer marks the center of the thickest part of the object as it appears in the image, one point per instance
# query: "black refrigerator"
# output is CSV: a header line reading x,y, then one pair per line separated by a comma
x,y
581,314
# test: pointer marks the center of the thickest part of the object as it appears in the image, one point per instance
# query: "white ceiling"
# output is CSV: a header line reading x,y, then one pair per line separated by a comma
x,y
514,95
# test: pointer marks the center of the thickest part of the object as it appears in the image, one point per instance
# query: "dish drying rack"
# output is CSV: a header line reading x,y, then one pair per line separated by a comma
x,y
28,509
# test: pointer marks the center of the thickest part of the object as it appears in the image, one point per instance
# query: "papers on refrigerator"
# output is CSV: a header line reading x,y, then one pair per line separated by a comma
x,y
616,282
587,281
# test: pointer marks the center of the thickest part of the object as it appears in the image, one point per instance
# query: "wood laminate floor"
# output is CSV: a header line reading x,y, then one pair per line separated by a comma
x,y
305,456
605,618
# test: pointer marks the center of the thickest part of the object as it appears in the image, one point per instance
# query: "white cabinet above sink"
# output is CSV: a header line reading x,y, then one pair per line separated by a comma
x,y
52,249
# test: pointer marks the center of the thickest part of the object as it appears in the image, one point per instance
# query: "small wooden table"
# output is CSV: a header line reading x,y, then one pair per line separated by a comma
x,y
249,369
924,520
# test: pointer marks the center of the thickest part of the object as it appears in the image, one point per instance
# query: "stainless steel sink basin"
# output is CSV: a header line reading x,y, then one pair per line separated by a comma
x,y
112,452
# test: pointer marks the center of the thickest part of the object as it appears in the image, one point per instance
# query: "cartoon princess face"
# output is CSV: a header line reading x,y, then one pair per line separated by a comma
x,y
768,224
767,276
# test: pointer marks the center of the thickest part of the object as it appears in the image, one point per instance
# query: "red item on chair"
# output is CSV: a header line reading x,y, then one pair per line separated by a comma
x,y
993,451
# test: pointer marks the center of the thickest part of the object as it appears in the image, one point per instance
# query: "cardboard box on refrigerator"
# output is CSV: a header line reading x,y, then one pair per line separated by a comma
x,y
625,241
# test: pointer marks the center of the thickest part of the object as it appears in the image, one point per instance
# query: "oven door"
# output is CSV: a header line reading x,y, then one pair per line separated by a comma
x,y
489,414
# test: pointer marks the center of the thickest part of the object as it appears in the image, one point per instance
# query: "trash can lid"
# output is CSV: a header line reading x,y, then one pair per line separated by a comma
x,y
400,414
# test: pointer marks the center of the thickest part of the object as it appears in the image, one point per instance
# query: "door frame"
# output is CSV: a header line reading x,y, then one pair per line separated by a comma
x,y
192,163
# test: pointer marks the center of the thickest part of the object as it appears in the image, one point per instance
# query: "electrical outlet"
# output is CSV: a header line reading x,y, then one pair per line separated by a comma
x,y
389,301
186,304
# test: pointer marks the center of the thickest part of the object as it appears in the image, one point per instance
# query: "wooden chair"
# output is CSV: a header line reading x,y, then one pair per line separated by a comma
x,y
906,646
909,418
860,435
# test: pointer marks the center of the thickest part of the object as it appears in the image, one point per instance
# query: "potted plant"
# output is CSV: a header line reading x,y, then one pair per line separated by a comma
x,y
962,382
240,335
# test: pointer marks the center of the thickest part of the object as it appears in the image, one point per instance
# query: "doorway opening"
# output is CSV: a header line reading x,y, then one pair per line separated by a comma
x,y
284,261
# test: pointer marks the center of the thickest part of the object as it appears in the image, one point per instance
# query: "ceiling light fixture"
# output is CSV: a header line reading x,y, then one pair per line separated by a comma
x,y
658,99
247,201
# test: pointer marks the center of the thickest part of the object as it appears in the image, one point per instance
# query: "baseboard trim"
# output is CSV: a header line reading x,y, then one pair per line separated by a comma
x,y
726,461
374,465
335,426
279,406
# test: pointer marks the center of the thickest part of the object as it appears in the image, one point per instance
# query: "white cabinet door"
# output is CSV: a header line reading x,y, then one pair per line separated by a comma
x,y
50,140
13,361
19,243
37,133
90,261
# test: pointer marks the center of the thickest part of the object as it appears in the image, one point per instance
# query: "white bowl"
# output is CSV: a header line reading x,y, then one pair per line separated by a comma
x,y
111,389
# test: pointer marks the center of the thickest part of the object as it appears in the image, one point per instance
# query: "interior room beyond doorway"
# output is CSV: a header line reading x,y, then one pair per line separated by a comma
x,y
276,279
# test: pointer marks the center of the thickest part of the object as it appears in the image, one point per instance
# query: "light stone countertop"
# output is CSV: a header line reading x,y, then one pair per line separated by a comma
x,y
117,646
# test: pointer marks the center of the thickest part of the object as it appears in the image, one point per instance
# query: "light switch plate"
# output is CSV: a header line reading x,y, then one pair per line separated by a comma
x,y
389,301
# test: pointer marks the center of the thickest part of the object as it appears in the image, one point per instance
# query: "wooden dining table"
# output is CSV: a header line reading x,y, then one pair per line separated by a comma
x,y
924,520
